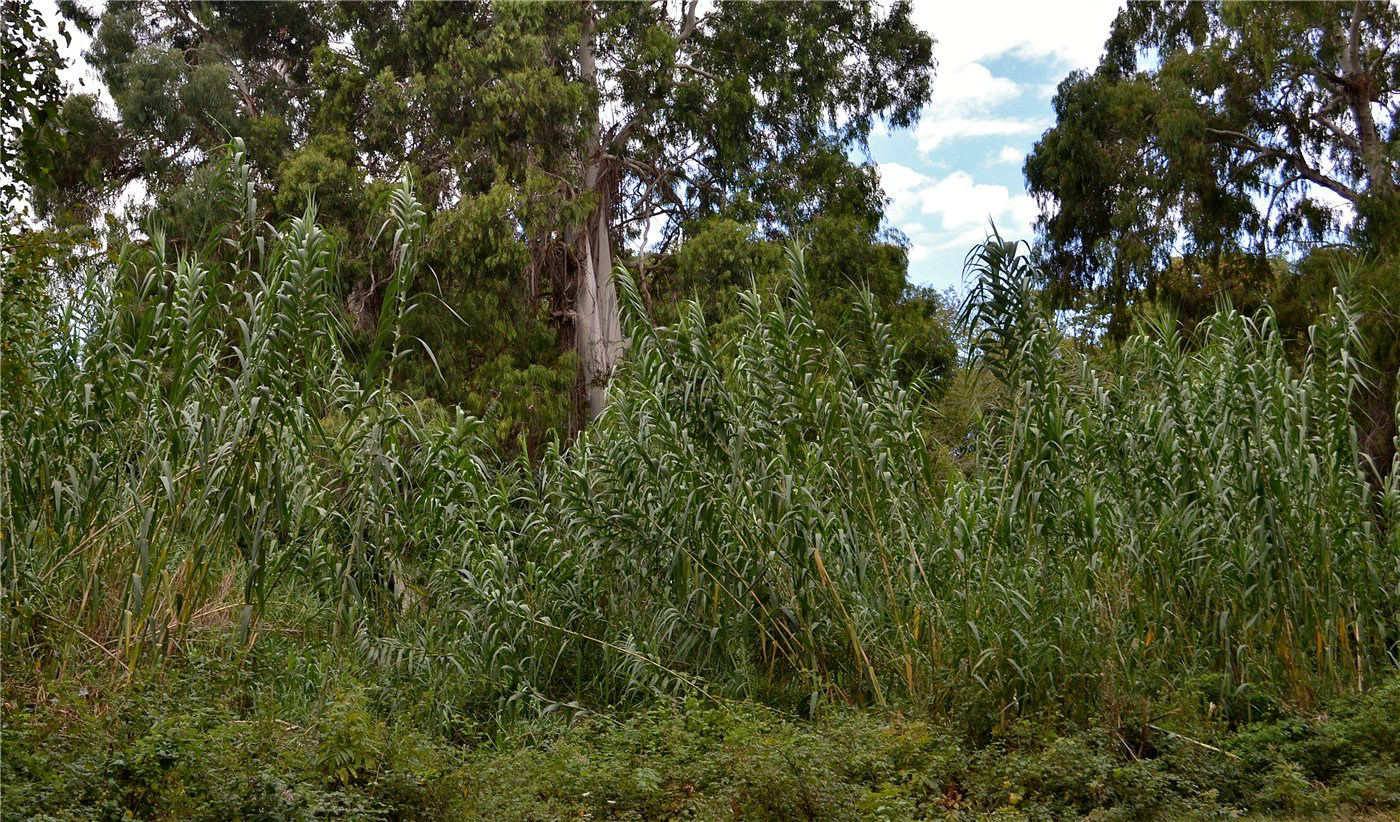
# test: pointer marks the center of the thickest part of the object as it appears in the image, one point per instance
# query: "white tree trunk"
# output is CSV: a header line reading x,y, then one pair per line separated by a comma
x,y
598,326
597,322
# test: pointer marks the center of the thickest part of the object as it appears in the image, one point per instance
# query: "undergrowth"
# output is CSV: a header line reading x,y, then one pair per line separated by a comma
x,y
195,745
202,494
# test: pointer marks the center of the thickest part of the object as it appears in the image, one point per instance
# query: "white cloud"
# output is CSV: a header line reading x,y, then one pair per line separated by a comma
x,y
966,94
971,87
963,98
918,251
902,185
933,131
1009,156
1023,211
1069,34
964,206
952,212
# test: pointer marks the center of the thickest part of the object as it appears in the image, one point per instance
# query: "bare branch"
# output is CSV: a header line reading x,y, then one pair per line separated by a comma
x,y
1297,161
1337,131
694,70
689,23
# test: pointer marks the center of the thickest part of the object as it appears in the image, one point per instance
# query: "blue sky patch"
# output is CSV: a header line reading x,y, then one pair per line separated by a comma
x,y
960,167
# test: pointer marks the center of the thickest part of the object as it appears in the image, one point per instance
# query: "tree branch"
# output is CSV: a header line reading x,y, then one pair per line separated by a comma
x,y
699,71
689,22
246,92
1299,164
1337,131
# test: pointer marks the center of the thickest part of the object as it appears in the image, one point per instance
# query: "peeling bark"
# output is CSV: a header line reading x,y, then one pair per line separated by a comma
x,y
1358,88
597,321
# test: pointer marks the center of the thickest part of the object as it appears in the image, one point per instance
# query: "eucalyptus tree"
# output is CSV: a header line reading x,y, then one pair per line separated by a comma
x,y
552,141
694,111
1216,136
1214,128
182,77
615,127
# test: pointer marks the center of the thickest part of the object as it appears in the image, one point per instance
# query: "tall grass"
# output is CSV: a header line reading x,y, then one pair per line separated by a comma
x,y
768,519
194,453
1199,509
738,522
191,441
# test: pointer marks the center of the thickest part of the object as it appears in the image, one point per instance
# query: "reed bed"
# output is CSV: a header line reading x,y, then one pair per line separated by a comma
x,y
770,519
193,454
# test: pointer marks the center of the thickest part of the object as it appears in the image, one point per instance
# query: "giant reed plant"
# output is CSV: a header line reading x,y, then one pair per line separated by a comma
x,y
738,523
770,519
192,443
1202,509
192,452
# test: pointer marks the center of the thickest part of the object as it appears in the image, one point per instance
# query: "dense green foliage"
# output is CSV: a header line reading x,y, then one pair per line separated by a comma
x,y
157,756
1224,151
1211,129
533,171
764,516
299,519
29,95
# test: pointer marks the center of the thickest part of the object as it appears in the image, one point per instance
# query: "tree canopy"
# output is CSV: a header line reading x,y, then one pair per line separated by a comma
x,y
30,92
551,141
1219,130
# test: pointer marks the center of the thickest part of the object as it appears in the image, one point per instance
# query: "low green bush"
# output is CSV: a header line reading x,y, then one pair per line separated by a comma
x,y
138,753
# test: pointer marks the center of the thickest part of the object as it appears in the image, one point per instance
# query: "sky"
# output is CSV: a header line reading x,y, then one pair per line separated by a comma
x,y
999,62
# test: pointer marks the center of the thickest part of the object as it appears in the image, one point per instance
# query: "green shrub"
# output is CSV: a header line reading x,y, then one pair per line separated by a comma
x,y
149,753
